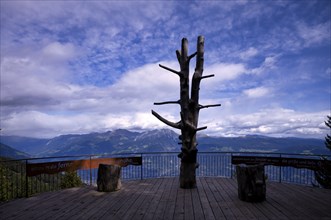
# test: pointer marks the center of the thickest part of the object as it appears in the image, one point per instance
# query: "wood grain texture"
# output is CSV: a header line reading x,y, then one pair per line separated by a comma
x,y
214,198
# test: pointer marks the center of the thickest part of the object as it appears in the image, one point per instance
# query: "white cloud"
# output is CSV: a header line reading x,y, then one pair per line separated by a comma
x,y
314,34
224,72
268,64
55,108
58,51
249,53
127,104
149,81
277,122
328,71
257,92
30,79
38,124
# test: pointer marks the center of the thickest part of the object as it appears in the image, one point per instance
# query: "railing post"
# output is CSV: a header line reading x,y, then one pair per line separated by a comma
x,y
280,168
231,168
90,170
141,167
26,179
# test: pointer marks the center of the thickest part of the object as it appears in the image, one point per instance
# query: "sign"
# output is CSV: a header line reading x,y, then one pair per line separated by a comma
x,y
313,164
33,169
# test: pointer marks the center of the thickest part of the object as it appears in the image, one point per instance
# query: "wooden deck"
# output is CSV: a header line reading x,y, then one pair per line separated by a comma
x,y
214,198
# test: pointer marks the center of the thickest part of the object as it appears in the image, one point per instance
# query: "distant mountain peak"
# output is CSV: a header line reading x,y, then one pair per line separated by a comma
x,y
157,140
11,153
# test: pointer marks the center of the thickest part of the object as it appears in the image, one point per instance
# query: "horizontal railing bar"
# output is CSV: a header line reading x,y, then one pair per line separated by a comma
x,y
86,155
172,152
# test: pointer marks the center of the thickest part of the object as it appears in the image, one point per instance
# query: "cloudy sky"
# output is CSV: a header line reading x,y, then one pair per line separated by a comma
x,y
92,66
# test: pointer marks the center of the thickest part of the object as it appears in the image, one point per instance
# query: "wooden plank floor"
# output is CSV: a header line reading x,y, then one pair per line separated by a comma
x,y
214,198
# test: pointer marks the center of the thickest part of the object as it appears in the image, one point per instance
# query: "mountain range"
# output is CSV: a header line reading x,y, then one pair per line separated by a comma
x,y
161,140
9,152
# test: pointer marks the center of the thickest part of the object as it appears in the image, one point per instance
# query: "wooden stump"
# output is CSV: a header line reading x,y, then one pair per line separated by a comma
x,y
251,183
109,178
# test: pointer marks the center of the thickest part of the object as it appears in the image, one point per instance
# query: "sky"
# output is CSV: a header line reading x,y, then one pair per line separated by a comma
x,y
74,67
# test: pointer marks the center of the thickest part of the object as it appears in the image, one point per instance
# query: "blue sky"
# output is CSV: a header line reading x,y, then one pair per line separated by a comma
x,y
92,66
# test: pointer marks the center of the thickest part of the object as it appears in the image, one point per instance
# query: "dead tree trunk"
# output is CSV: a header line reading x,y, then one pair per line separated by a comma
x,y
109,178
190,107
251,183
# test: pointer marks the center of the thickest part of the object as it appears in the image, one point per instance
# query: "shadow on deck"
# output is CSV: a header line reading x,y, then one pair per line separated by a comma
x,y
214,198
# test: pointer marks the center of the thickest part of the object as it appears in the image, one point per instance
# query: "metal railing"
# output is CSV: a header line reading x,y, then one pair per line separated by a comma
x,y
15,183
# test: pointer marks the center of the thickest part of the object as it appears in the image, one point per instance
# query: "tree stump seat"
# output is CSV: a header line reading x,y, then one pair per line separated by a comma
x,y
109,178
251,183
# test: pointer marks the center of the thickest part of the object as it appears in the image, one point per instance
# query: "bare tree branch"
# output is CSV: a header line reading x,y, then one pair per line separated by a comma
x,y
194,128
207,106
177,125
207,76
171,70
167,102
178,55
201,128
192,55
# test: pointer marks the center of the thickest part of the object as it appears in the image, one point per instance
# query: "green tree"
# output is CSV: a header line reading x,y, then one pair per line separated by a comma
x,y
70,179
4,184
323,175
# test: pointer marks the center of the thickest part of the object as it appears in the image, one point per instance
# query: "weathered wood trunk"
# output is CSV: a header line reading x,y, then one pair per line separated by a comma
x,y
251,183
190,107
187,178
109,178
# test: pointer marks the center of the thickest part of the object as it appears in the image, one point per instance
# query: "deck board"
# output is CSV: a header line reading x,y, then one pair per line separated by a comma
x,y
214,198
231,190
294,201
155,200
207,210
232,202
250,209
196,201
171,204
